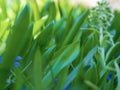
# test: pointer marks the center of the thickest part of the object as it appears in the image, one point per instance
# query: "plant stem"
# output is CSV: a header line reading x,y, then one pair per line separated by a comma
x,y
102,52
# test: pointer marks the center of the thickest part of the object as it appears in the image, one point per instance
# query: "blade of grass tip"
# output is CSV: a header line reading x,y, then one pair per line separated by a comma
x,y
71,34
60,9
52,11
38,24
26,43
37,70
67,27
45,36
118,75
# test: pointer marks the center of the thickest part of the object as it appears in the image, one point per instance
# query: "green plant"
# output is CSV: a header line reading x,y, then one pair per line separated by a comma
x,y
53,47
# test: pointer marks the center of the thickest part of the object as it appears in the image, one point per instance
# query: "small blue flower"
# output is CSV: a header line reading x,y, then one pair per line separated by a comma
x,y
109,76
16,64
1,58
23,88
18,58
67,88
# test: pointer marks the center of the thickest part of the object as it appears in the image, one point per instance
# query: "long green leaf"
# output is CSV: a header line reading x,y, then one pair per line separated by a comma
x,y
14,43
64,57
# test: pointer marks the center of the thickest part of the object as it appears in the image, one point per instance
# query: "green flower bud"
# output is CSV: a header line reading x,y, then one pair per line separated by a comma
x,y
101,15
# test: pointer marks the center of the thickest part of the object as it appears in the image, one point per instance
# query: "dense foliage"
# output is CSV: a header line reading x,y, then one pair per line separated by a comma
x,y
56,46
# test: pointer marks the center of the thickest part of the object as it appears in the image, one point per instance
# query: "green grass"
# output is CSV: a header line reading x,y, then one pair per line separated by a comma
x,y
51,46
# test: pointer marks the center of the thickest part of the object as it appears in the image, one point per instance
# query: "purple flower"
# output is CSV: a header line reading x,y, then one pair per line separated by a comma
x,y
16,64
18,58
109,76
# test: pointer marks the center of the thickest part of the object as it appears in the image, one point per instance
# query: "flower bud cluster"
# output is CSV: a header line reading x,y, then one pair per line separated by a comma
x,y
101,15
